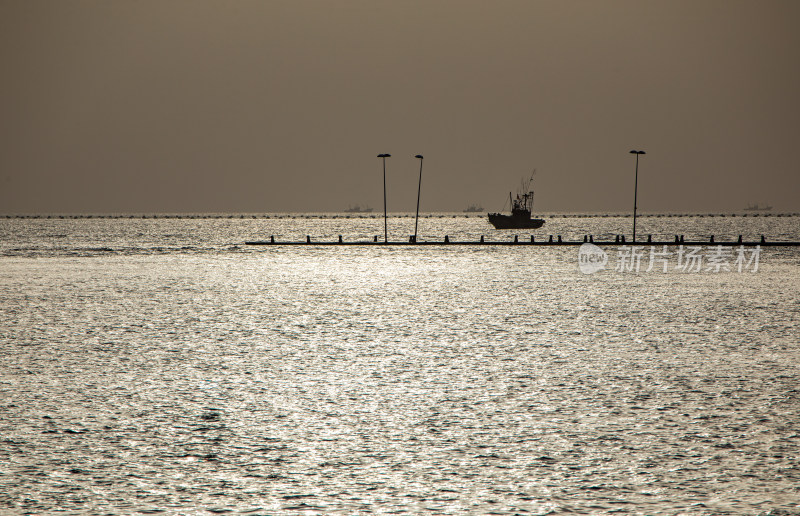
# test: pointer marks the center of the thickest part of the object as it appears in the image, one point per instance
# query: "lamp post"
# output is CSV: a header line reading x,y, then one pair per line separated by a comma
x,y
385,223
635,189
419,189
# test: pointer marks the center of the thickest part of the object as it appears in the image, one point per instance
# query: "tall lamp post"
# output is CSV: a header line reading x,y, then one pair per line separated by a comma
x,y
419,189
636,189
385,223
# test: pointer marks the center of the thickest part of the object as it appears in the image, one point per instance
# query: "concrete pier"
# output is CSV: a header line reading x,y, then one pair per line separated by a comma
x,y
446,241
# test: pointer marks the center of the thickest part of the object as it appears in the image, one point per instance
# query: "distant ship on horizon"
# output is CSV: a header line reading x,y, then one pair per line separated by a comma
x,y
474,208
358,209
756,207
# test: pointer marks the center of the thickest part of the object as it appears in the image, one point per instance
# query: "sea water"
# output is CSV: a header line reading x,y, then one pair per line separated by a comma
x,y
161,366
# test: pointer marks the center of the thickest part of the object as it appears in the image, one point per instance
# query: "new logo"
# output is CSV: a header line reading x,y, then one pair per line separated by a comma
x,y
591,258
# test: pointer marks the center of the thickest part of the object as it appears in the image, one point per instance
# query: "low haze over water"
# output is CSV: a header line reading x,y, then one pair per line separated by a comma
x,y
162,366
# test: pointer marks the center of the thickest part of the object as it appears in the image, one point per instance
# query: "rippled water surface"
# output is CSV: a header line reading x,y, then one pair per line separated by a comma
x,y
162,366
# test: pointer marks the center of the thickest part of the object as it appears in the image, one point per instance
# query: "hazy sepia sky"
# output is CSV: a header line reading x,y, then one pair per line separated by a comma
x,y
283,105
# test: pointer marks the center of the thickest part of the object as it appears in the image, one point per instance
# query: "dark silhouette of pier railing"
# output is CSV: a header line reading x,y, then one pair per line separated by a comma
x,y
549,241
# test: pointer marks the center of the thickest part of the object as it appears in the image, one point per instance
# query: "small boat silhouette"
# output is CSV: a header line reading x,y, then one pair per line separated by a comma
x,y
521,208
358,209
756,207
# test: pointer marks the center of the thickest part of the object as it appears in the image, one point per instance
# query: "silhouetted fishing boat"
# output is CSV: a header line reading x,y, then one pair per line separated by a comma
x,y
521,208
358,209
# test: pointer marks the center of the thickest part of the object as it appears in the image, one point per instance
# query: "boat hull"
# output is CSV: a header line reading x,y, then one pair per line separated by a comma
x,y
500,221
